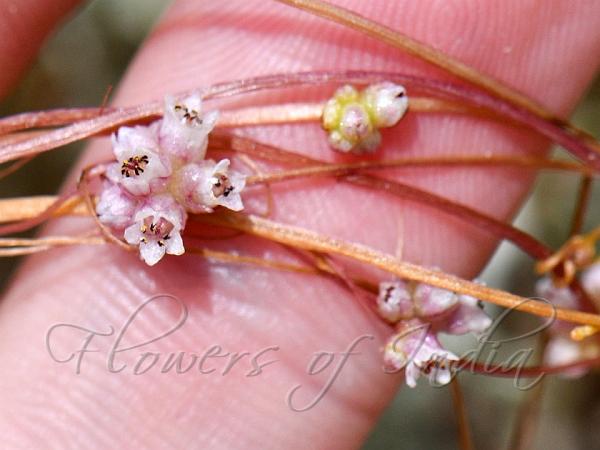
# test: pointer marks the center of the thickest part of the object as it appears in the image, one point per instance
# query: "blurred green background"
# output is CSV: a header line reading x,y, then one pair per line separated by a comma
x,y
91,53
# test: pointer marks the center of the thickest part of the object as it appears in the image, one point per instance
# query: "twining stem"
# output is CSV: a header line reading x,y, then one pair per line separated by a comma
x,y
498,228
457,93
23,209
309,240
583,197
462,418
19,247
26,208
429,54
15,166
404,163
487,223
528,412
503,371
51,241
490,369
253,261
228,118
50,118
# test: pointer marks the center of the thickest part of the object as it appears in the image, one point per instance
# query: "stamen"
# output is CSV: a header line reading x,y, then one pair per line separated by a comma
x,y
188,115
388,293
134,165
221,186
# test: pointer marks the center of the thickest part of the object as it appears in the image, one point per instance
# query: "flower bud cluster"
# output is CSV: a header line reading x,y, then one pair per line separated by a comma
x,y
419,312
353,118
160,175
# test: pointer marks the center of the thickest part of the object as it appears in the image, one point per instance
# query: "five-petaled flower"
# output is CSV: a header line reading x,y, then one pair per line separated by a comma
x,y
140,165
157,229
184,129
416,350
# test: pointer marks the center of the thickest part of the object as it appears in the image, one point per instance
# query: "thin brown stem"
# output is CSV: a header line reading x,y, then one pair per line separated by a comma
x,y
406,163
82,187
424,52
487,223
15,166
462,418
229,118
463,94
267,185
25,208
252,261
583,197
309,240
528,413
50,241
22,251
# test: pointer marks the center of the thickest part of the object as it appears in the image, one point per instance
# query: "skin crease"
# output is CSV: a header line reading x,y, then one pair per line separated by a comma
x,y
545,49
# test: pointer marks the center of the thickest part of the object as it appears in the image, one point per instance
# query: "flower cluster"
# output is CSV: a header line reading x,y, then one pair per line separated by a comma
x,y
353,118
419,312
561,348
160,175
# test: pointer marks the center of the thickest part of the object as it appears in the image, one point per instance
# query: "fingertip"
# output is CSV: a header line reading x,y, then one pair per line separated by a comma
x,y
24,25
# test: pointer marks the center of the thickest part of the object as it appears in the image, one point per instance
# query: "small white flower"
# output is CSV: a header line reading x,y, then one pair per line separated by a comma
x,y
184,129
394,301
445,310
139,163
590,280
203,186
115,207
431,301
562,350
416,350
157,229
468,317
222,187
387,103
563,297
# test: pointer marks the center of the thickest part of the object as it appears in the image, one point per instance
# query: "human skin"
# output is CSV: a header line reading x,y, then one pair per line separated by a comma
x,y
547,49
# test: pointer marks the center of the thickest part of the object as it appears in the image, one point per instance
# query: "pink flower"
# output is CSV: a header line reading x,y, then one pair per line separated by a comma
x,y
115,206
387,102
184,128
590,279
394,301
157,229
203,186
561,349
561,297
416,350
431,301
445,310
140,165
467,317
